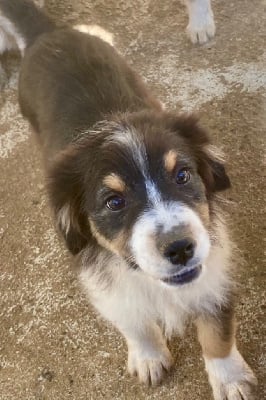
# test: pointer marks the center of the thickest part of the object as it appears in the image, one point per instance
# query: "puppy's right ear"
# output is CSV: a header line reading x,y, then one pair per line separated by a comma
x,y
66,191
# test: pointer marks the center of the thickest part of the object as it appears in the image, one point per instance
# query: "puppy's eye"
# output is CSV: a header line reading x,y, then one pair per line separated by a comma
x,y
115,203
183,176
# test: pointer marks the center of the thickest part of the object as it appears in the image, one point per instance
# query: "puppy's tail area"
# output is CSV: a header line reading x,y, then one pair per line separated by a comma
x,y
21,22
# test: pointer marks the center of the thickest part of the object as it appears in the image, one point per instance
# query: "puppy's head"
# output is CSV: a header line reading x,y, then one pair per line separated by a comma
x,y
141,186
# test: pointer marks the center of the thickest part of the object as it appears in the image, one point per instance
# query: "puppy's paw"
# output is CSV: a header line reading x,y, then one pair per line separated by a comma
x,y
149,364
234,391
231,378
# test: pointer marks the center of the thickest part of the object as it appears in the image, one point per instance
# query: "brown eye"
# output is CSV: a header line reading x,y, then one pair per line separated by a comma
x,y
115,203
183,176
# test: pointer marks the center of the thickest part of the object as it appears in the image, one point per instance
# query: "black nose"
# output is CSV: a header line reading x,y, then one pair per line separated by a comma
x,y
180,251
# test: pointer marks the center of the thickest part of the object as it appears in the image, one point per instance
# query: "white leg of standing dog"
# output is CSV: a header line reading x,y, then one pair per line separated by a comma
x,y
201,26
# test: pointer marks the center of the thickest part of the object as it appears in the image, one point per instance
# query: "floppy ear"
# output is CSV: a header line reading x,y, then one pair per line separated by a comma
x,y
212,170
66,191
210,163
221,180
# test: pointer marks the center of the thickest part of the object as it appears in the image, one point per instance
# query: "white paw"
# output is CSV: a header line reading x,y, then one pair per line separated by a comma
x,y
234,391
231,378
149,364
201,33
201,27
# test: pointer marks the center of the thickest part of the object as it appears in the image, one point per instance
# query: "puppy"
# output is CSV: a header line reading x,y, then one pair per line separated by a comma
x,y
133,188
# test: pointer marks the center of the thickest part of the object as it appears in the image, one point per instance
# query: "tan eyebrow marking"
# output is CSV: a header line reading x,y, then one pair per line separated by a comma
x,y
114,182
170,160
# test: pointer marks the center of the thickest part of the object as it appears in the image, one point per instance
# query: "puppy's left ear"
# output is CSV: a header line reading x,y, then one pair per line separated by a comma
x,y
212,170
210,162
220,177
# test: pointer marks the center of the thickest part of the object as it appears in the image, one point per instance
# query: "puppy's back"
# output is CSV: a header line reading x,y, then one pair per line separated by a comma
x,y
70,80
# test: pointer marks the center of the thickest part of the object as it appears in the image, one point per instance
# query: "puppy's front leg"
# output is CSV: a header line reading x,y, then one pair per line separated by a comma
x,y
148,355
126,307
229,375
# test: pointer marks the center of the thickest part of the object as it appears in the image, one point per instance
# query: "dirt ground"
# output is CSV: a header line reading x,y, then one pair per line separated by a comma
x,y
53,346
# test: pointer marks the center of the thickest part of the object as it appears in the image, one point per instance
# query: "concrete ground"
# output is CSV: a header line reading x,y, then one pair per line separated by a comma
x,y
53,346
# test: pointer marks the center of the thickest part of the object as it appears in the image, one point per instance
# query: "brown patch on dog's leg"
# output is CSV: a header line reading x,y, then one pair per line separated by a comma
x,y
216,334
229,375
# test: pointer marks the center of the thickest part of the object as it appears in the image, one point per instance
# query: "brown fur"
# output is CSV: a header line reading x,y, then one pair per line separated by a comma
x,y
216,334
115,183
204,212
116,245
170,160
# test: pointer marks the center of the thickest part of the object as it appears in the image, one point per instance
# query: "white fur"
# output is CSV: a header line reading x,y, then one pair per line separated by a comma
x,y
201,26
6,41
149,357
9,36
39,3
153,193
96,30
141,306
214,153
230,377
64,219
128,138
168,215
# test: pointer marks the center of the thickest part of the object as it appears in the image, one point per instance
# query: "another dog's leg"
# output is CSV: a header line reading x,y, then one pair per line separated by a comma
x,y
229,375
201,26
10,38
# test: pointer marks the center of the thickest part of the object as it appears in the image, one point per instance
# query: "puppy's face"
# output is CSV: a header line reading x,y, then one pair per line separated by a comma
x,y
141,188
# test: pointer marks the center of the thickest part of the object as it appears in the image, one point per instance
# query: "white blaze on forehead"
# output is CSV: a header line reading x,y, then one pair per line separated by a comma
x,y
168,216
128,137
153,193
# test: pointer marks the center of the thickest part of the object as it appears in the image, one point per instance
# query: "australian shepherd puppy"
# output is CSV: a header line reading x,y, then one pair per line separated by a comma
x,y
133,188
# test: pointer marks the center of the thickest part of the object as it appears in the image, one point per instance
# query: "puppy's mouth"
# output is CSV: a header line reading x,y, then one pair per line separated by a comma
x,y
186,275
